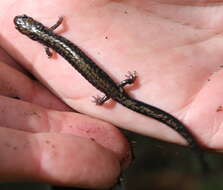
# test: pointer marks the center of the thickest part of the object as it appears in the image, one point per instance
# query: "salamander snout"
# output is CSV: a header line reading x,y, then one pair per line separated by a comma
x,y
21,21
27,25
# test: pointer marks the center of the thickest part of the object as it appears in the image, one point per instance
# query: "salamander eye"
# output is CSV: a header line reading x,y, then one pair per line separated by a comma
x,y
24,16
32,36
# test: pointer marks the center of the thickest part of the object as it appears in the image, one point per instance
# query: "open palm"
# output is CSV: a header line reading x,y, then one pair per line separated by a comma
x,y
174,46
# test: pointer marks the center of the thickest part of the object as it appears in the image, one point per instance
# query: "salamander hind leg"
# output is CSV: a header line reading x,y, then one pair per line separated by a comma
x,y
130,79
52,28
100,100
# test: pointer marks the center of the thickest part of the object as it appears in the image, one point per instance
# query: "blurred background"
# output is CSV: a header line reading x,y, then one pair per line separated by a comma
x,y
159,166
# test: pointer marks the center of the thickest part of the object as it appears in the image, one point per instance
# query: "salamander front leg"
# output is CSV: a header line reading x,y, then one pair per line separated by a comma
x,y
57,24
130,78
52,28
48,52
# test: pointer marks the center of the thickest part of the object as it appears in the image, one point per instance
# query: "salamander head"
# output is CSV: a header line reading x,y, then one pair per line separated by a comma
x,y
28,26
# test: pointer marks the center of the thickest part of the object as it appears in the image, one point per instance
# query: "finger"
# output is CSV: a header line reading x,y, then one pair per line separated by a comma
x,y
56,159
6,58
35,119
16,84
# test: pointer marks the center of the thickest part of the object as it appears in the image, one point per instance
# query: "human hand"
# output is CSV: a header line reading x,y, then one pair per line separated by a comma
x,y
42,140
178,50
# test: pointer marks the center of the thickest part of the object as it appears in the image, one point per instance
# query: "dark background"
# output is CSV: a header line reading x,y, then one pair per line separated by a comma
x,y
160,166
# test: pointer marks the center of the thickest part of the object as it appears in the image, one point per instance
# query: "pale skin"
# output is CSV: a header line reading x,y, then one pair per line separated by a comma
x,y
174,46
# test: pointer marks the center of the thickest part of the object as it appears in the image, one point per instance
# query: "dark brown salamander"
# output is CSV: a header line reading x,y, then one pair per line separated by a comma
x,y
96,76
